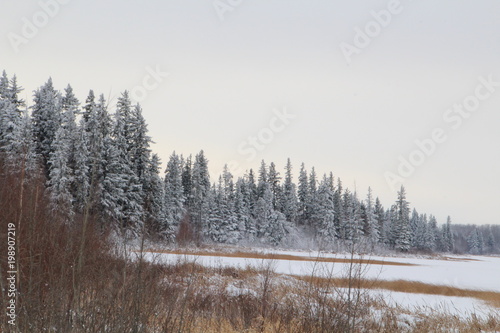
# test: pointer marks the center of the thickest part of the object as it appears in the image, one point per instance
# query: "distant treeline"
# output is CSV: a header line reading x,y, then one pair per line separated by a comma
x,y
101,164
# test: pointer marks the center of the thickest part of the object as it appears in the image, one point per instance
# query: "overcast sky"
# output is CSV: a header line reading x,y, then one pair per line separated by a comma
x,y
345,86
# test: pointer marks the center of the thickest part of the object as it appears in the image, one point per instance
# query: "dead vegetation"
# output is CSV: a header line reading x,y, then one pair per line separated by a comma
x,y
71,279
277,256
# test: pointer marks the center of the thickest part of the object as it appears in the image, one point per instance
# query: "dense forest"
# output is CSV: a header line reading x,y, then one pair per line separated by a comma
x,y
100,163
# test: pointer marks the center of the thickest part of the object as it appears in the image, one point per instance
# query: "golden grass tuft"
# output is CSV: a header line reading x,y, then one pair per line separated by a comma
x,y
273,256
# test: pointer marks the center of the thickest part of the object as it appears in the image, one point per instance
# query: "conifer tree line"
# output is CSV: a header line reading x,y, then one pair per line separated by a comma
x,y
97,160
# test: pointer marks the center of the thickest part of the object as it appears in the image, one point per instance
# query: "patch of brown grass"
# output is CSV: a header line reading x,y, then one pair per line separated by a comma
x,y
274,256
491,297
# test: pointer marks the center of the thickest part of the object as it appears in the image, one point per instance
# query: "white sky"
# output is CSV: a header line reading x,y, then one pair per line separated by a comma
x,y
227,76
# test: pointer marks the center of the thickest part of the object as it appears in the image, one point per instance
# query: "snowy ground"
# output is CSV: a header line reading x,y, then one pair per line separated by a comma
x,y
471,272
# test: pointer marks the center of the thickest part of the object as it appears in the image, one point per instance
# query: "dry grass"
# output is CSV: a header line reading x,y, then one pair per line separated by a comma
x,y
71,280
491,297
274,256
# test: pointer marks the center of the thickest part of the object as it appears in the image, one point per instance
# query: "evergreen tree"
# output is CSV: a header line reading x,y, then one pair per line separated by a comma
x,y
200,192
339,217
89,107
392,226
174,191
324,213
371,229
4,86
263,181
10,126
303,194
271,225
98,132
402,226
311,197
352,228
289,198
187,182
490,239
421,232
13,95
252,191
124,113
380,218
122,192
154,201
274,182
431,233
447,236
46,121
223,226
140,152
62,185
474,241
242,210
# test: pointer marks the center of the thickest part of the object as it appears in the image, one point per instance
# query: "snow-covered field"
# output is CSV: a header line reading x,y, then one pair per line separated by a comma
x,y
470,272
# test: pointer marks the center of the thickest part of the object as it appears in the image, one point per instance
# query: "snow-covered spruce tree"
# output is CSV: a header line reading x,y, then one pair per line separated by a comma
x,y
402,240
200,192
418,237
187,182
98,129
4,86
122,192
278,228
227,184
212,228
447,236
140,142
61,178
289,195
19,146
124,110
174,191
323,215
62,185
263,182
371,228
352,227
242,211
13,91
271,225
154,202
414,224
303,195
10,126
79,156
339,217
431,231
390,228
89,107
46,121
489,241
474,241
252,191
311,201
263,210
10,115
222,223
380,217
274,182
235,227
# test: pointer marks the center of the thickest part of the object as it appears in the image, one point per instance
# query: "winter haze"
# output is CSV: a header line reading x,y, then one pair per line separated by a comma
x,y
345,87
